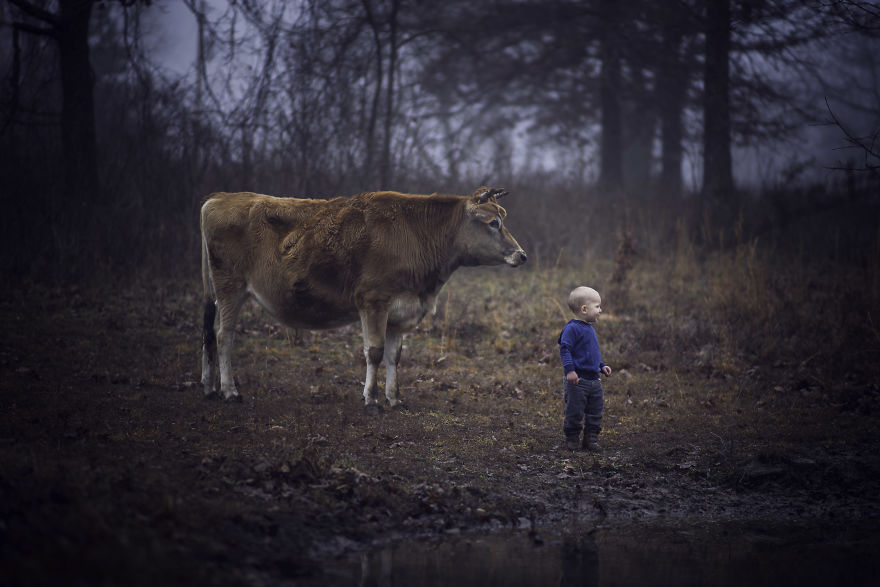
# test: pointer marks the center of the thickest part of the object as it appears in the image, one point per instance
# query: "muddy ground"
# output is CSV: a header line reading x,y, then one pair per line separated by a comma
x,y
115,470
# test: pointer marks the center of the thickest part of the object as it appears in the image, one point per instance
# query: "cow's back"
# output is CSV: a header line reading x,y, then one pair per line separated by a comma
x,y
325,258
242,225
285,251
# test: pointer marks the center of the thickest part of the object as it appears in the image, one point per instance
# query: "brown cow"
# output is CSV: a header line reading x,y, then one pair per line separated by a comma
x,y
377,257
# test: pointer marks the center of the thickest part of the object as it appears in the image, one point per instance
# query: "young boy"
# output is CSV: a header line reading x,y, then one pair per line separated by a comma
x,y
582,363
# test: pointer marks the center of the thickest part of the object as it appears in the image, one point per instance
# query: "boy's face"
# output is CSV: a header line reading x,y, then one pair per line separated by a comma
x,y
591,309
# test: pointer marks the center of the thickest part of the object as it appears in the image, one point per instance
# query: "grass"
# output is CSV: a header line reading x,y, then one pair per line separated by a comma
x,y
745,381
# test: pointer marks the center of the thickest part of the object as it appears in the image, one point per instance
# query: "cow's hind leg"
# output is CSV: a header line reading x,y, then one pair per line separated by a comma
x,y
209,350
373,324
393,345
229,308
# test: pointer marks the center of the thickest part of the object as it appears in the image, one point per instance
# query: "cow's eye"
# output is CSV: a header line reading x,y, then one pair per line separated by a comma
x,y
496,223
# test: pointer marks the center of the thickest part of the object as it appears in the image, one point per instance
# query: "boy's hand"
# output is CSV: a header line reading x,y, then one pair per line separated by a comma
x,y
572,377
606,370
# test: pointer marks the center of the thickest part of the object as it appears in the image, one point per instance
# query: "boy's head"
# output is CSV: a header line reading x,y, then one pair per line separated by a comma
x,y
585,303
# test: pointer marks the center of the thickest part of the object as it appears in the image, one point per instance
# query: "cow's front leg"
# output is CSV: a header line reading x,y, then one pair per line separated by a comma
x,y
393,344
209,349
373,324
228,316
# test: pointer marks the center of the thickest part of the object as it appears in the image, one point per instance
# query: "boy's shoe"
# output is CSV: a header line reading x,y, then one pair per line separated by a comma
x,y
572,444
591,442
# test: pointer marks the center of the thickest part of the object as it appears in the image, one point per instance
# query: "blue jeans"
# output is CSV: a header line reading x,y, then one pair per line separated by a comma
x,y
585,400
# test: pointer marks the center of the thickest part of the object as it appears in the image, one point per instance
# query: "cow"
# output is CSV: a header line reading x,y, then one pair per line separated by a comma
x,y
377,257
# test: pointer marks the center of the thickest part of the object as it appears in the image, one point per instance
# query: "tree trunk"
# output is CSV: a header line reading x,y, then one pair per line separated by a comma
x,y
78,109
369,174
611,155
671,131
385,166
672,91
639,131
717,173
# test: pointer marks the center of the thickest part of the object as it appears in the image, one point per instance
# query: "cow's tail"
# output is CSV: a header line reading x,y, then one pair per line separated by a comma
x,y
210,297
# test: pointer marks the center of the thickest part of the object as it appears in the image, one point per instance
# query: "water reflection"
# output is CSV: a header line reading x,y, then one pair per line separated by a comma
x,y
717,554
580,560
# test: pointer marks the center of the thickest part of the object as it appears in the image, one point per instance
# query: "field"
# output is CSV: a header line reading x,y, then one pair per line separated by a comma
x,y
745,387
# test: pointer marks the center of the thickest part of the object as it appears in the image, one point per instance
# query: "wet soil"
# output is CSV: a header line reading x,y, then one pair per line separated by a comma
x,y
752,553
115,470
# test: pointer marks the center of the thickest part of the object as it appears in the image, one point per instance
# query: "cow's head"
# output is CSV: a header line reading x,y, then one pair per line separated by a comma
x,y
483,238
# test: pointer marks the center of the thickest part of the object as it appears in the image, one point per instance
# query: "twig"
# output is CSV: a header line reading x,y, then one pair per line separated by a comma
x,y
559,306
862,144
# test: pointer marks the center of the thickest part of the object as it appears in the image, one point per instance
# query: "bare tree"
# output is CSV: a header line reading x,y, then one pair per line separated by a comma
x,y
385,167
611,146
717,163
863,18
674,71
867,146
69,28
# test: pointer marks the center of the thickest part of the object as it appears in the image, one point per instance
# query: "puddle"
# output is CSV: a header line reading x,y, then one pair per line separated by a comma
x,y
714,554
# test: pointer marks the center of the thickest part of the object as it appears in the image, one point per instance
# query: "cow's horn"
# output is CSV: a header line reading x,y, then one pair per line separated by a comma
x,y
483,194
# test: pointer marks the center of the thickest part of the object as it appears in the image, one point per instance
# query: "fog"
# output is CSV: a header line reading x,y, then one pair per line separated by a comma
x,y
147,111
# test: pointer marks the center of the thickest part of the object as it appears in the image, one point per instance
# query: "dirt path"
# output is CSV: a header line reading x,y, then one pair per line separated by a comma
x,y
113,469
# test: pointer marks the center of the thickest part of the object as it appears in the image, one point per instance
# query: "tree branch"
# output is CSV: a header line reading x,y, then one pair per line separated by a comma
x,y
870,150
35,11
35,30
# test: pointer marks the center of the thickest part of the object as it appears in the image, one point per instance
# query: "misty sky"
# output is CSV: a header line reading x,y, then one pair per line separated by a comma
x,y
172,30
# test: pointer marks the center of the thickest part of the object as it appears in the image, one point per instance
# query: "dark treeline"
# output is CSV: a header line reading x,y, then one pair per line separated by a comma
x,y
107,152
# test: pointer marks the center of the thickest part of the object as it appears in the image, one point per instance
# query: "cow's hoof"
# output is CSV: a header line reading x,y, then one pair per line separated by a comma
x,y
399,406
212,395
233,399
373,408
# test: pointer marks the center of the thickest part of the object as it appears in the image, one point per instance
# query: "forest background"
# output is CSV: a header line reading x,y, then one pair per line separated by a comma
x,y
647,121
710,166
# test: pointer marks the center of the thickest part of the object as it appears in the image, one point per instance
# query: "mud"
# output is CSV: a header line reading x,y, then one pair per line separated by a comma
x,y
115,470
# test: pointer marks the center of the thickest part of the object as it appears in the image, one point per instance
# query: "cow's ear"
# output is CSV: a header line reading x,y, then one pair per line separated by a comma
x,y
484,214
485,193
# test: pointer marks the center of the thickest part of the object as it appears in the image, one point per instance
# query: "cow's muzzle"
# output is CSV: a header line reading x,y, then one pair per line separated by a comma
x,y
516,258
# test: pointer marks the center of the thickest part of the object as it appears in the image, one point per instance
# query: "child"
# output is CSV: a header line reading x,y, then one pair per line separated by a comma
x,y
582,363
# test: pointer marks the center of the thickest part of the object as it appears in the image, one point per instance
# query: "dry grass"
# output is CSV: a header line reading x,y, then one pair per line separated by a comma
x,y
744,387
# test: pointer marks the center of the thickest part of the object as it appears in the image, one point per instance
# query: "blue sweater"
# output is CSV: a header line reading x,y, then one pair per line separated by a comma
x,y
579,350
